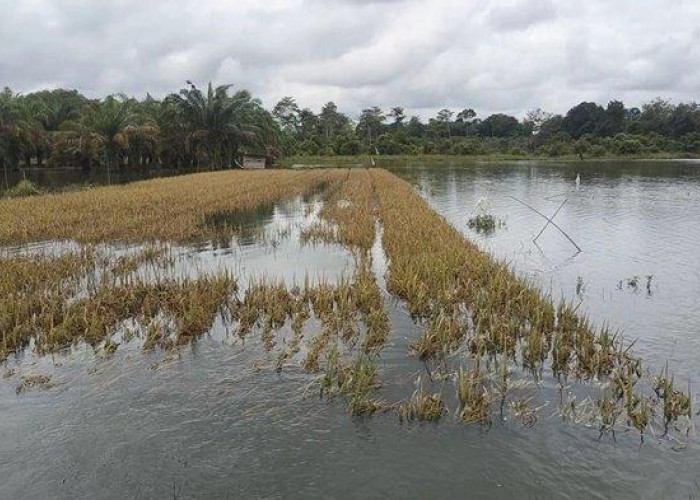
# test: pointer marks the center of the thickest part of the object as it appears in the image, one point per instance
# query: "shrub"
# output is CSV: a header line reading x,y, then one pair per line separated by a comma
x,y
327,150
597,151
22,189
629,146
351,147
308,147
468,147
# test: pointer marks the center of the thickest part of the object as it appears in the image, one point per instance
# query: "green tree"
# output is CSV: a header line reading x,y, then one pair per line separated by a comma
x,y
308,125
585,118
286,112
370,124
655,117
102,130
221,124
444,118
398,115
499,125
331,122
16,130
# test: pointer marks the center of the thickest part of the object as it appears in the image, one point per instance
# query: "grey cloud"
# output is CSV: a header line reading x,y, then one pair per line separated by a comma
x,y
521,14
494,56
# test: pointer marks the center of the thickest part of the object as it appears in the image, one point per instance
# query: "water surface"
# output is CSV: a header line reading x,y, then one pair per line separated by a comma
x,y
217,421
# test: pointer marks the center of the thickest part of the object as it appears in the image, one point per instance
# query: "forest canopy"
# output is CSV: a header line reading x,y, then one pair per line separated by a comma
x,y
212,127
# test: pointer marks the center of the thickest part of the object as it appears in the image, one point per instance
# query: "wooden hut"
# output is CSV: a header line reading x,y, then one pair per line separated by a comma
x,y
250,161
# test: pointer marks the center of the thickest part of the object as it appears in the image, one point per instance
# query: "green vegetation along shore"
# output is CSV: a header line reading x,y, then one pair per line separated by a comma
x,y
212,128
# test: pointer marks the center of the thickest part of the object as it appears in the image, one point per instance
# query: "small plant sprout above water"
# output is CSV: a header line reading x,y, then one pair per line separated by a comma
x,y
485,223
522,410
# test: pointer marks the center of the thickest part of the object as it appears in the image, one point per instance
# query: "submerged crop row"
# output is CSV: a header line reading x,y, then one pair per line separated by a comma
x,y
502,330
184,208
51,303
491,333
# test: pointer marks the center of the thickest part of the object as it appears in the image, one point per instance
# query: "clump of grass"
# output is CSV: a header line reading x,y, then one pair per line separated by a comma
x,y
676,404
484,223
640,414
466,301
347,214
422,406
84,296
465,297
23,189
34,291
34,380
357,381
360,382
442,335
609,412
474,398
521,410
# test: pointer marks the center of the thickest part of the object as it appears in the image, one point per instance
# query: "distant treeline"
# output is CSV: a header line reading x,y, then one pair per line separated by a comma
x,y
587,129
212,127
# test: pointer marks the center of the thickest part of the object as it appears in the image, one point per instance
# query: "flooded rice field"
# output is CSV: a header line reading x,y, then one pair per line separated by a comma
x,y
227,414
637,224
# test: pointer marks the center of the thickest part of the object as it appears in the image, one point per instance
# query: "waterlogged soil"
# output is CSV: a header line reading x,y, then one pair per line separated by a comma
x,y
216,419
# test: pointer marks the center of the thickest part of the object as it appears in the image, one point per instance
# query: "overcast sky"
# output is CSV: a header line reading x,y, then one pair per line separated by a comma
x,y
494,56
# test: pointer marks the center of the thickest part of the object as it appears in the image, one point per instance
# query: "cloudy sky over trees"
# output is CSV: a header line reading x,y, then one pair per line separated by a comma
x,y
494,56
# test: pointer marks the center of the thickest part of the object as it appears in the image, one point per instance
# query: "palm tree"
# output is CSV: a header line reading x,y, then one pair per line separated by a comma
x,y
16,127
220,125
173,133
104,127
51,110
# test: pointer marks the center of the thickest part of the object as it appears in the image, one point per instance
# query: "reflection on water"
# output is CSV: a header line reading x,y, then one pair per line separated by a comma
x,y
248,226
216,420
56,179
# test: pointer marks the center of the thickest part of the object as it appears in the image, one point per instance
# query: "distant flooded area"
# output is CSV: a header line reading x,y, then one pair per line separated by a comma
x,y
427,329
63,178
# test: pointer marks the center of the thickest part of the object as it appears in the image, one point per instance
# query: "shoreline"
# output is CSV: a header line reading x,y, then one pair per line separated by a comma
x,y
363,160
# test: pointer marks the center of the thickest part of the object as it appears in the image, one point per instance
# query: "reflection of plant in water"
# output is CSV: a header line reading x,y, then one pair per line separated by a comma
x,y
633,283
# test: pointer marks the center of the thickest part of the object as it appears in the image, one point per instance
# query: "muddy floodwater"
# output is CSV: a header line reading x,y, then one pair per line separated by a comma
x,y
216,420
